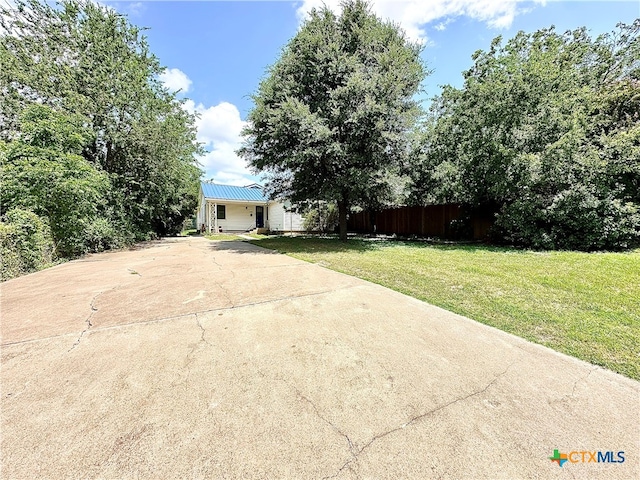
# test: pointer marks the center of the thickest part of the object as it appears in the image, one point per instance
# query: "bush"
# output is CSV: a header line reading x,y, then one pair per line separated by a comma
x,y
100,234
321,219
574,219
26,244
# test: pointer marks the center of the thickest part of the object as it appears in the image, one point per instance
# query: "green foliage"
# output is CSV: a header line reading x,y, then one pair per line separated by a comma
x,y
26,244
575,219
100,234
330,120
546,132
41,172
125,155
322,217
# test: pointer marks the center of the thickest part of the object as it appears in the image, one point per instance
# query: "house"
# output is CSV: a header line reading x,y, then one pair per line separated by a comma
x,y
227,208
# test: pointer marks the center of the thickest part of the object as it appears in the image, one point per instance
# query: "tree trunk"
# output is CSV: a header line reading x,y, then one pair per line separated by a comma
x,y
108,161
342,213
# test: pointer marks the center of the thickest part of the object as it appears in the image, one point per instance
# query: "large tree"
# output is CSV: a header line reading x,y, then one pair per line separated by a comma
x,y
83,59
546,133
42,171
331,118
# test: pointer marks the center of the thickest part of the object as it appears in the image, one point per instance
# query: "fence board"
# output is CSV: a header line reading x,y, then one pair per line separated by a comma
x,y
426,221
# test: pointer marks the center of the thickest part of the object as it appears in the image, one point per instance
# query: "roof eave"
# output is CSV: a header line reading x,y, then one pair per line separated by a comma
x,y
226,200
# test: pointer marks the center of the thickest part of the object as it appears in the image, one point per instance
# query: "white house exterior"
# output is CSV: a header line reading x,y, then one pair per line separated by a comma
x,y
226,208
280,220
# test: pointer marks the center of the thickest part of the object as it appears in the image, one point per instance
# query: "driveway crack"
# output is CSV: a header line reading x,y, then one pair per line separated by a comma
x,y
580,380
352,447
416,419
189,358
203,339
203,331
178,316
224,289
94,309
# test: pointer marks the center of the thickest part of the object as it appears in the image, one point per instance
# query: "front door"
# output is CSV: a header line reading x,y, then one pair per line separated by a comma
x,y
259,217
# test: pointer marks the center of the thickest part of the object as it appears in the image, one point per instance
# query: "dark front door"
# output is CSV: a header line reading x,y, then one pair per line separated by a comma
x,y
259,217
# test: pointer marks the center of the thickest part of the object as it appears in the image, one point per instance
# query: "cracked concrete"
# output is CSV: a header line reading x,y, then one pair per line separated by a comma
x,y
88,320
352,447
224,360
356,452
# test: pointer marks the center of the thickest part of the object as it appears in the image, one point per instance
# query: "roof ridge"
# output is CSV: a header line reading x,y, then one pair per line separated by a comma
x,y
232,192
251,185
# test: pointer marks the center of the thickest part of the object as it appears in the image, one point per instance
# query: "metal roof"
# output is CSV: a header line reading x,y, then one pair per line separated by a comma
x,y
230,192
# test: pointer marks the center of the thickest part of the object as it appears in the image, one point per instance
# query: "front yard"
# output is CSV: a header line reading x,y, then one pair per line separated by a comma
x,y
583,304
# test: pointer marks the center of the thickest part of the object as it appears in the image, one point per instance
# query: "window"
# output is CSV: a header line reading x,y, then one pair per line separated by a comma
x,y
221,214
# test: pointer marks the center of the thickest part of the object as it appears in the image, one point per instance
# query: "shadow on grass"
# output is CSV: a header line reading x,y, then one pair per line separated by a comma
x,y
332,244
286,244
242,247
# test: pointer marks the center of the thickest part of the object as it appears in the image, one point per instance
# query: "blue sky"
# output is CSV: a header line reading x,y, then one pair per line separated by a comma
x,y
217,51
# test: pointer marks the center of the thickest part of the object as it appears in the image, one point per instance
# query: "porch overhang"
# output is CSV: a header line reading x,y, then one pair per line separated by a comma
x,y
211,209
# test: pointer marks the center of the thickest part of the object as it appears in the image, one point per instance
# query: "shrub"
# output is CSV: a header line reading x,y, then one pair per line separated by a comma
x,y
26,244
576,218
101,234
321,219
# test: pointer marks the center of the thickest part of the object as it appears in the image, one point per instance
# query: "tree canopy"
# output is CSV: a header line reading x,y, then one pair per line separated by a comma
x,y
331,118
92,141
545,132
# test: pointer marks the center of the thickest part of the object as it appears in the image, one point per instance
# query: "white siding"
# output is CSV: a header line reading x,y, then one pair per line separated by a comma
x,y
293,222
201,217
276,217
242,217
282,221
238,217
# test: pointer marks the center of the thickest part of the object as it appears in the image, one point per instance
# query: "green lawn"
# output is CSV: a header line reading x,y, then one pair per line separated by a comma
x,y
257,236
583,304
223,237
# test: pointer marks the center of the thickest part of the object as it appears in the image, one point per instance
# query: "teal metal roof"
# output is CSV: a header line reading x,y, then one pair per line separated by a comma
x,y
229,192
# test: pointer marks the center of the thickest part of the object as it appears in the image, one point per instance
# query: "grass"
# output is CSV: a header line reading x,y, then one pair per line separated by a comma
x,y
583,304
223,237
257,236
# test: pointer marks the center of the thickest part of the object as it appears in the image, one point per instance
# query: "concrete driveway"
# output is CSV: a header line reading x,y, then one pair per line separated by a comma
x,y
193,359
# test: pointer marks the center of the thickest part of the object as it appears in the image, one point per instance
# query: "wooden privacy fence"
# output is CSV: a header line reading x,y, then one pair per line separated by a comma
x,y
445,221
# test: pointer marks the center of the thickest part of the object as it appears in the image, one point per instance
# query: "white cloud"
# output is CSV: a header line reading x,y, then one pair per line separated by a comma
x,y
414,15
175,79
441,26
136,8
219,129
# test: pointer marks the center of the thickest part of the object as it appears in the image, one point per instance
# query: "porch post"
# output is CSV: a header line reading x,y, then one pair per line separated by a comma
x,y
215,216
209,217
